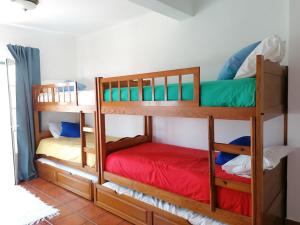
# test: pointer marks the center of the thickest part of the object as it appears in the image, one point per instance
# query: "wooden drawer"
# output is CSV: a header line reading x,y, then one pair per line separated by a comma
x,y
130,209
78,185
46,172
73,183
165,218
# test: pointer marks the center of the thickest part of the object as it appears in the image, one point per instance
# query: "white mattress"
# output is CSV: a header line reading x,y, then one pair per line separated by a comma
x,y
192,217
86,97
68,169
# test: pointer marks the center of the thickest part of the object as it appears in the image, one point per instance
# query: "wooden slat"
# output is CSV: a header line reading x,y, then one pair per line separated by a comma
x,y
166,88
82,139
211,140
177,110
64,108
53,94
153,89
197,87
239,186
129,94
140,86
89,150
110,92
78,166
180,87
88,129
119,90
235,149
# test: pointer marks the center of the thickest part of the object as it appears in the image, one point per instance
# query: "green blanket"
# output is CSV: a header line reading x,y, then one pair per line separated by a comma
x,y
225,93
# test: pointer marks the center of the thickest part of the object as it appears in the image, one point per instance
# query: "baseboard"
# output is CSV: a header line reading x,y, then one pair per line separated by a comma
x,y
291,222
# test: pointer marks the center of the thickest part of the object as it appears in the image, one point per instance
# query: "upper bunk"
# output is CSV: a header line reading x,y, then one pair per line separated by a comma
x,y
63,97
156,94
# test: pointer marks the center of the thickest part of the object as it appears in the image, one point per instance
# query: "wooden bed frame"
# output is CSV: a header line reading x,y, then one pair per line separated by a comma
x,y
61,105
268,189
76,184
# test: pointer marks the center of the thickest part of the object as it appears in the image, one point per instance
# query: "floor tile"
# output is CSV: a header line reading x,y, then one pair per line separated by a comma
x,y
63,211
48,199
72,219
78,204
91,211
65,197
126,223
107,219
89,223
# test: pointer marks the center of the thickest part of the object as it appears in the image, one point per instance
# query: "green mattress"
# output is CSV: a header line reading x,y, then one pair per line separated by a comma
x,y
223,93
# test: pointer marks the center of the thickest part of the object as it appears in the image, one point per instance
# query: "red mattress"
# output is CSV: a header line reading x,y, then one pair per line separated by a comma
x,y
180,170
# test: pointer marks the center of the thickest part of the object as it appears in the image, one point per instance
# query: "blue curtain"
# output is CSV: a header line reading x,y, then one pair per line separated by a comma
x,y
28,73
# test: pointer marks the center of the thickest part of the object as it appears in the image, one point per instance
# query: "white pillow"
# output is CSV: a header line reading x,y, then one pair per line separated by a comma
x,y
55,129
241,165
272,48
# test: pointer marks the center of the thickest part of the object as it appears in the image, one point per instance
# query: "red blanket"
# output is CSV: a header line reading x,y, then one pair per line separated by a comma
x,y
180,170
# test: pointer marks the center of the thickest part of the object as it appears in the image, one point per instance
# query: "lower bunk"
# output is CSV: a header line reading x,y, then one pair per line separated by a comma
x,y
158,181
74,180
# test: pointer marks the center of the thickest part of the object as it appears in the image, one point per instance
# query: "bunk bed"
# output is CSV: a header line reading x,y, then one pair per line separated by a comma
x,y
127,163
80,174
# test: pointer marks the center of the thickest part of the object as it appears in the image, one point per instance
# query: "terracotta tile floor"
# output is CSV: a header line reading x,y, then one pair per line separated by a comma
x,y
74,210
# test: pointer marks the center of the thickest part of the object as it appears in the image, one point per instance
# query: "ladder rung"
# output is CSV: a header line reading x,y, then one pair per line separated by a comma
x,y
88,129
236,149
89,150
239,186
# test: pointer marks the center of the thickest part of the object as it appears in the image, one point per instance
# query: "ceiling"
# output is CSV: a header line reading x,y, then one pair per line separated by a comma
x,y
75,17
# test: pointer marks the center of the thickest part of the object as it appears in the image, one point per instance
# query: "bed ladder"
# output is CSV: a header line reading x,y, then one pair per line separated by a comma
x,y
84,130
229,148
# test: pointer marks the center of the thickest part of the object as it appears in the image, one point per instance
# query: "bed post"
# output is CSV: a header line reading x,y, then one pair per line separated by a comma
x,y
211,141
148,127
36,119
285,142
257,146
101,131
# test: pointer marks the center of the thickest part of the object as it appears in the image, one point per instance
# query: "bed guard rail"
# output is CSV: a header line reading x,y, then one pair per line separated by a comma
x,y
57,94
134,84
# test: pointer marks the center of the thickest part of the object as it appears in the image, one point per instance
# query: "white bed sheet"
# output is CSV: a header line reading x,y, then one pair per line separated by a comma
x,y
71,170
86,97
192,217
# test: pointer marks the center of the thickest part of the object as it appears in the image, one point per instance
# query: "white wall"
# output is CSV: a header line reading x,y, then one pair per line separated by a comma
x,y
294,112
154,42
57,53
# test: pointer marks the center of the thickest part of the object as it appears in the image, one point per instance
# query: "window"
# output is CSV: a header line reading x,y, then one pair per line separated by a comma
x,y
11,78
7,121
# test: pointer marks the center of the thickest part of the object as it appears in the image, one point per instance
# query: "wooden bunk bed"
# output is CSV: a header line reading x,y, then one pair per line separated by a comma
x,y
63,97
267,188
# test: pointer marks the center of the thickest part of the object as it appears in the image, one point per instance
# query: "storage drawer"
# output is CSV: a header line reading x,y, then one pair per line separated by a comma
x,y
165,218
46,172
78,185
160,220
123,206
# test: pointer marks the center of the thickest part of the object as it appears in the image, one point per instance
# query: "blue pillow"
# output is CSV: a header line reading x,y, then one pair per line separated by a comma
x,y
224,157
70,130
80,87
233,64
